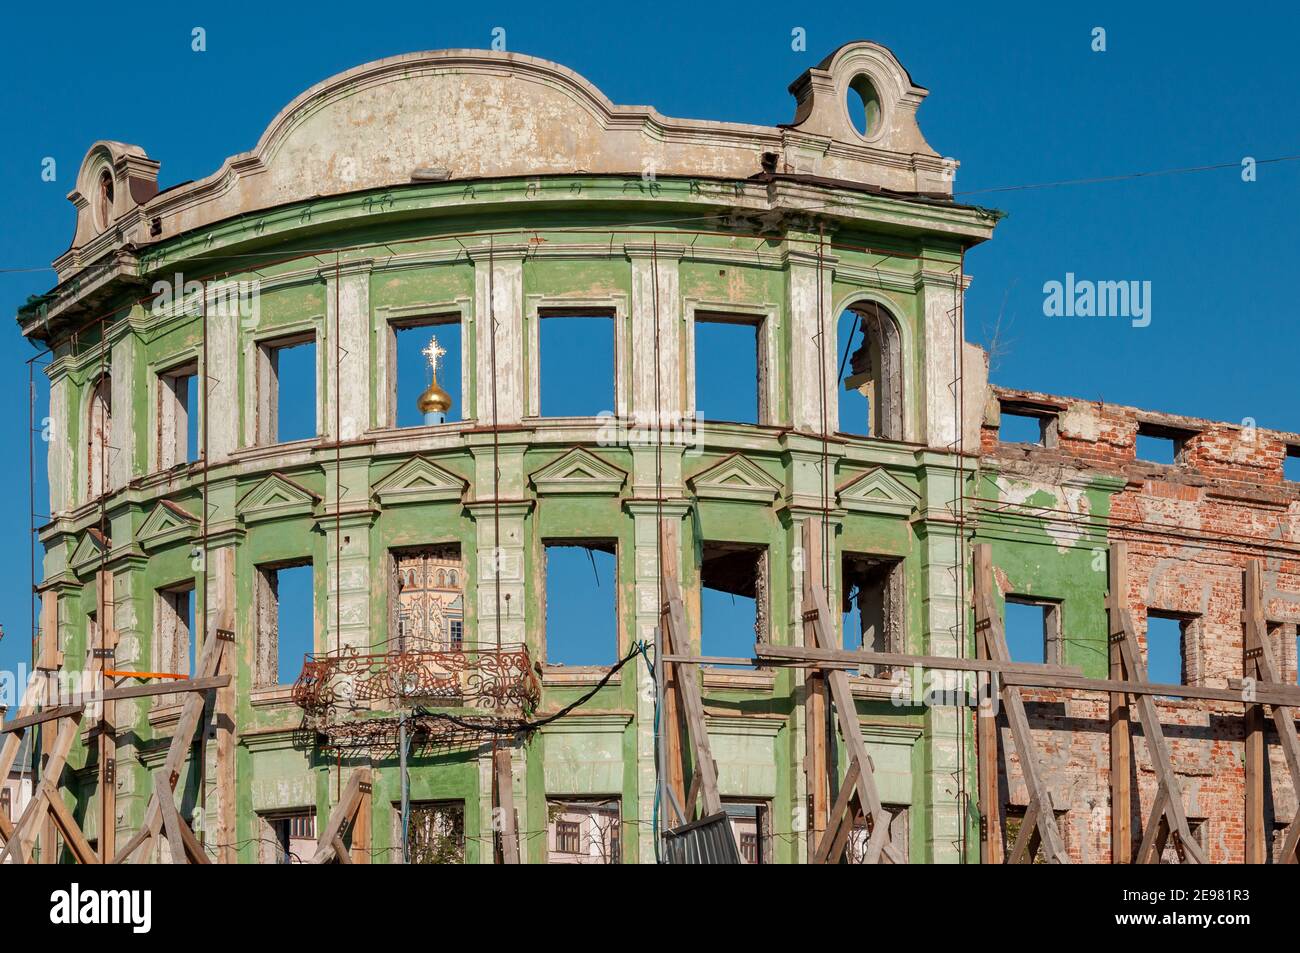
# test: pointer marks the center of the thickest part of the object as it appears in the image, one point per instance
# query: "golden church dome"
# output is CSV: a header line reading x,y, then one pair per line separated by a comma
x,y
434,400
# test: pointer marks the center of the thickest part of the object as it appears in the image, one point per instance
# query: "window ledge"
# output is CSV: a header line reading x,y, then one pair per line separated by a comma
x,y
271,695
560,675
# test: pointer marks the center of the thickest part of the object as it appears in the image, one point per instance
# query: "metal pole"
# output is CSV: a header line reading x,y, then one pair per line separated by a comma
x,y
406,789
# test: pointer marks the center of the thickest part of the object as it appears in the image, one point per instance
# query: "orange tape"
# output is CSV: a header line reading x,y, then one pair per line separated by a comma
x,y
113,673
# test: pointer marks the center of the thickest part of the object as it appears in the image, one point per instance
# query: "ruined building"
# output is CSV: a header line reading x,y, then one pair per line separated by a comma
x,y
457,206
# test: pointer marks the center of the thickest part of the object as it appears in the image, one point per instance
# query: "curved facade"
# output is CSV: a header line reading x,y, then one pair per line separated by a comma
x,y
479,195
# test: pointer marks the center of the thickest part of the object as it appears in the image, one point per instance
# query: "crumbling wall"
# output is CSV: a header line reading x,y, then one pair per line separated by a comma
x,y
1190,528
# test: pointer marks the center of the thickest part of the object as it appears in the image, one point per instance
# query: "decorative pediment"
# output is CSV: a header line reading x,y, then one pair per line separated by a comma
x,y
418,481
90,552
276,497
168,523
736,478
579,471
877,492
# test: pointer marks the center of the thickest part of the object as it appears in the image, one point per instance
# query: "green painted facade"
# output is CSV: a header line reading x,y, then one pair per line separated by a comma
x,y
424,249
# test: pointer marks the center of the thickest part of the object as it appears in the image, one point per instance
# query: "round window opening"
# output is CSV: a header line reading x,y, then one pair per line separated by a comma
x,y
864,106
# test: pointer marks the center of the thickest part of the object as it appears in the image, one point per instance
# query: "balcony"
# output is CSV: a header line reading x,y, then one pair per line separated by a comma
x,y
460,693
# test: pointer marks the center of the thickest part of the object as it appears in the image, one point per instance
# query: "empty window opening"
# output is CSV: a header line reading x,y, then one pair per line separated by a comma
x,y
855,850
751,826
583,831
286,389
1020,424
174,634
872,613
581,602
435,832
285,621
870,373
730,369
1167,648
287,837
1015,820
733,599
104,200
178,419
1199,828
428,600
1291,463
576,363
424,387
1033,630
99,436
1159,444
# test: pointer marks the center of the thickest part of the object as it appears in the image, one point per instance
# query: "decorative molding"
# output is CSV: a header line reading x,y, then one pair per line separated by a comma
x,y
168,523
877,492
419,480
91,551
579,471
276,497
735,478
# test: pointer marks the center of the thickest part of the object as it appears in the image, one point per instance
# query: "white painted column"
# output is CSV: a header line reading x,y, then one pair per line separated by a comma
x,y
121,448
57,431
940,420
499,312
813,367
347,369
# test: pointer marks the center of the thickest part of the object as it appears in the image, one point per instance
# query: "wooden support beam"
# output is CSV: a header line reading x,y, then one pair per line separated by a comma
x,y
1161,759
671,728
215,650
989,629
71,831
988,758
1252,645
171,819
106,742
1120,728
23,838
818,613
343,815
816,707
853,659
505,803
692,707
1261,665
841,813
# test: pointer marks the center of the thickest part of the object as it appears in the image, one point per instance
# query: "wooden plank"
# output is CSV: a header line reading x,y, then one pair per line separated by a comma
x,y
1263,665
988,761
841,813
106,742
361,828
115,694
71,831
1157,745
33,697
40,717
688,691
19,846
225,707
988,626
505,788
343,813
341,851
214,653
846,713
1025,848
1253,628
852,659
671,727
816,707
1118,723
171,819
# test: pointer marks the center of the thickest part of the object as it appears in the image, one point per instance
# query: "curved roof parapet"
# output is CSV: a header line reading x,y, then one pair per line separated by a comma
x,y
472,114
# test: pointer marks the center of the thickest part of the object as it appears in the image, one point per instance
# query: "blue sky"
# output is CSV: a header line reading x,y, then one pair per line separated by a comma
x,y
1017,95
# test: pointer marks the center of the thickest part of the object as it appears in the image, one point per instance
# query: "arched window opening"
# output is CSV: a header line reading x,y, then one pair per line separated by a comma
x,y
99,436
870,373
104,200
